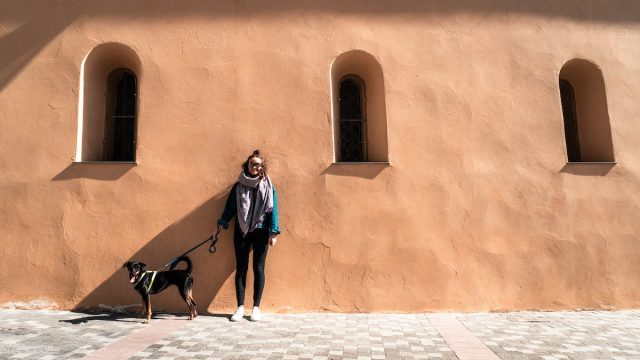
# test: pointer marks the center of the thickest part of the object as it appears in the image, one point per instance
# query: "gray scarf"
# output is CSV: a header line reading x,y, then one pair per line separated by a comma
x,y
254,199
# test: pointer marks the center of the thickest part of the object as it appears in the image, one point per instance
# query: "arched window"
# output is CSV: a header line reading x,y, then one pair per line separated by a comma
x,y
587,128
358,109
353,133
120,122
107,116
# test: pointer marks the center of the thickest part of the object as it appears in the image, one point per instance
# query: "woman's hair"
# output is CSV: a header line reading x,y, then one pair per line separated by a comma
x,y
256,154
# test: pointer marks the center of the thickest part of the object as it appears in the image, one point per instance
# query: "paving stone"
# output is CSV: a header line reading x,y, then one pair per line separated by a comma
x,y
558,335
512,336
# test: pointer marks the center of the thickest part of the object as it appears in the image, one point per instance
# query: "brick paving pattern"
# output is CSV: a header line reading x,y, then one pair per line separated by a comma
x,y
307,336
59,334
520,335
598,335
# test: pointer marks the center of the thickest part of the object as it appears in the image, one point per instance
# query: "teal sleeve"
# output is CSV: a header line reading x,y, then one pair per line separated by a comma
x,y
275,225
230,208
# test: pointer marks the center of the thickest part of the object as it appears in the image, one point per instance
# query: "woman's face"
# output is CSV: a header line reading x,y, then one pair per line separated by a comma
x,y
254,165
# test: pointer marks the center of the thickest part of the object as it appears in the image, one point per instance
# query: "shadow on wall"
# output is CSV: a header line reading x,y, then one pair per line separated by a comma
x,y
97,171
210,271
41,24
20,45
588,169
361,170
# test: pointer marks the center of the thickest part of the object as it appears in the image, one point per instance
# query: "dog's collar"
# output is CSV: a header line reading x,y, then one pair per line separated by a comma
x,y
153,277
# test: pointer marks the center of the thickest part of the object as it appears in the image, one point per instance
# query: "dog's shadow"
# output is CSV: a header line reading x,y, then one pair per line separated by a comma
x,y
102,317
210,271
130,317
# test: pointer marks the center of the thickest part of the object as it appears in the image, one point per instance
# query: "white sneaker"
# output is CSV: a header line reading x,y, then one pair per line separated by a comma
x,y
237,316
256,315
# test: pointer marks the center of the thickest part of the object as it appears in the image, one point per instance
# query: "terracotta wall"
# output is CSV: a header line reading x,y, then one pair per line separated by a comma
x,y
478,209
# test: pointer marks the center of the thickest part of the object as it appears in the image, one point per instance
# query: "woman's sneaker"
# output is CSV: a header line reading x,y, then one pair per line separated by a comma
x,y
237,316
256,315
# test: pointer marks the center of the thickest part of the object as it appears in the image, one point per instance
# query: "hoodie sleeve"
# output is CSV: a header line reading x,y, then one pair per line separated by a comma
x,y
230,208
274,227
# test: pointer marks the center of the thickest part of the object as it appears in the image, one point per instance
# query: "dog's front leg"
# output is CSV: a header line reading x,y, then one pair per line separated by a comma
x,y
147,303
143,310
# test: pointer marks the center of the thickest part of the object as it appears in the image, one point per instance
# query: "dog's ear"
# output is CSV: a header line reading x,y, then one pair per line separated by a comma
x,y
142,265
127,264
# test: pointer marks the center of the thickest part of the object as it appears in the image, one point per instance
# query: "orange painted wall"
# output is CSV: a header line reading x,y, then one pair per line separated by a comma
x,y
478,209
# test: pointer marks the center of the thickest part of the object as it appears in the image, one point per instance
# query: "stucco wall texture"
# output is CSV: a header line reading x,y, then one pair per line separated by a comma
x,y
477,209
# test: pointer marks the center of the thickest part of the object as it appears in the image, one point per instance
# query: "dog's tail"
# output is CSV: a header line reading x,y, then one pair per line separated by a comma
x,y
186,260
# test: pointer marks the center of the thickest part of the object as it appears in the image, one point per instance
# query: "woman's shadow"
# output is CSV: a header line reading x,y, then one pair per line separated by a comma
x,y
210,271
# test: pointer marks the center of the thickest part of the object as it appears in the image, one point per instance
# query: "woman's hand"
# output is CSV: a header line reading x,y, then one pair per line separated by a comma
x,y
272,239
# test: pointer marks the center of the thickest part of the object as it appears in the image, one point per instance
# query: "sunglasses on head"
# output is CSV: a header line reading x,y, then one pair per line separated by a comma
x,y
255,165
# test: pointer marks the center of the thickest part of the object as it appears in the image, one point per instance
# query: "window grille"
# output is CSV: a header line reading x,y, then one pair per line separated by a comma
x,y
121,117
353,135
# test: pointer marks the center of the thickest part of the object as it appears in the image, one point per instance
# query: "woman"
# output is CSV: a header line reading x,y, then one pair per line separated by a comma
x,y
254,203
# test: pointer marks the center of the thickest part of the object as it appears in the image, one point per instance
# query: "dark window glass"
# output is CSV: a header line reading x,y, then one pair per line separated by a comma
x,y
568,98
121,118
352,134
350,107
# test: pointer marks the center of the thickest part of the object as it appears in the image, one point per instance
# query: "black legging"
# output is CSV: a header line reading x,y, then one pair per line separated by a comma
x,y
259,241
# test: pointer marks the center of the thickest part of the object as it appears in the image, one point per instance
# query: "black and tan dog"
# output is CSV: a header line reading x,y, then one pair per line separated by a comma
x,y
153,282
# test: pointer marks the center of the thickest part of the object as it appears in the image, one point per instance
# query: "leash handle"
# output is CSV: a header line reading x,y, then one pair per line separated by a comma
x,y
212,247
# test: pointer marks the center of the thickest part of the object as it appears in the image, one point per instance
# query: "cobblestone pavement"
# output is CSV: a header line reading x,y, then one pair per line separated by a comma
x,y
28,334
559,335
